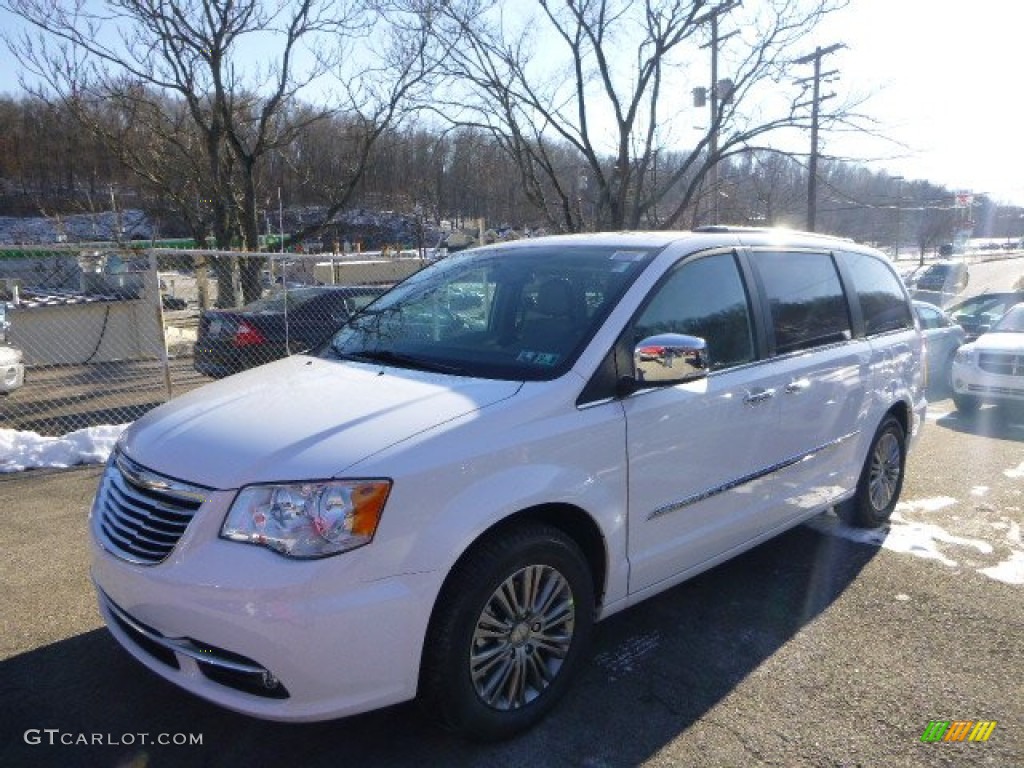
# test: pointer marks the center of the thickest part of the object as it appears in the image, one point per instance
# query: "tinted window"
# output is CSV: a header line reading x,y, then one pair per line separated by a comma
x,y
704,298
806,300
882,301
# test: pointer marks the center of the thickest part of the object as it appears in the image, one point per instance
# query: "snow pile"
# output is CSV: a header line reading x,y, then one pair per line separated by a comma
x,y
29,450
76,228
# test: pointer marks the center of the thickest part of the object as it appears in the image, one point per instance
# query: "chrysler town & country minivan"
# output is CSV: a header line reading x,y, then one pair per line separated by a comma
x,y
514,443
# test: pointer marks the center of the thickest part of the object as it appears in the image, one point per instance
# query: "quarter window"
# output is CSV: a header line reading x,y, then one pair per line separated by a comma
x,y
930,318
706,298
883,302
805,298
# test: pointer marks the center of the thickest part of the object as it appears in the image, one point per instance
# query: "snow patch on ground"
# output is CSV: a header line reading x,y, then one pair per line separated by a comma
x,y
1009,571
21,450
924,539
1016,472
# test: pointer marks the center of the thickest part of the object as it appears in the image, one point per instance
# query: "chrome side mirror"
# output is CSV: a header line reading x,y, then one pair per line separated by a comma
x,y
670,358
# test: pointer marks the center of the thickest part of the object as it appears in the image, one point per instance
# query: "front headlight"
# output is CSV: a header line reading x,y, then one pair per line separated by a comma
x,y
306,520
964,356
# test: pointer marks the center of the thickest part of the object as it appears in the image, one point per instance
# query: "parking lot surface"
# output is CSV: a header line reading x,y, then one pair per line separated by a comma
x,y
821,648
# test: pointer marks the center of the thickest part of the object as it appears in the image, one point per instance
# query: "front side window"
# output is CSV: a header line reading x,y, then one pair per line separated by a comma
x,y
516,313
929,318
882,300
705,297
805,297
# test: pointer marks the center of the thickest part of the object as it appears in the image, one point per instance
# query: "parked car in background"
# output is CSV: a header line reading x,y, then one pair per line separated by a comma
x,y
284,323
942,338
909,275
991,368
941,282
173,302
12,370
978,314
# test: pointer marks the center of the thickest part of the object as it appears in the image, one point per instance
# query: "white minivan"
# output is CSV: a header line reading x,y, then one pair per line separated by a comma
x,y
514,443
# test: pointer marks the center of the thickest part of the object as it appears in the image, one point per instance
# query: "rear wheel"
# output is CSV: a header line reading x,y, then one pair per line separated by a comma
x,y
881,479
509,630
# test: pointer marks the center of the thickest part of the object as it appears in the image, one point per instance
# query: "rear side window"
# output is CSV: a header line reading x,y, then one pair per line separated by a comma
x,y
882,300
805,298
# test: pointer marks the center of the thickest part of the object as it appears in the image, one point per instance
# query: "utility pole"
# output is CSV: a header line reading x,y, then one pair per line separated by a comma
x,y
280,218
716,97
816,99
899,211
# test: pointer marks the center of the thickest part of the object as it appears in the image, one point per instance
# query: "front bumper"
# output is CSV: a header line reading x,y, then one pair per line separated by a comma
x,y
987,387
260,634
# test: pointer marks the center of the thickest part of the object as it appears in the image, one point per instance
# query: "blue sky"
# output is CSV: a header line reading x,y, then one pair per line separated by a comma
x,y
942,78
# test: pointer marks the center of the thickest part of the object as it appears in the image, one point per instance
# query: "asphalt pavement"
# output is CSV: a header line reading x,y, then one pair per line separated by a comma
x,y
811,650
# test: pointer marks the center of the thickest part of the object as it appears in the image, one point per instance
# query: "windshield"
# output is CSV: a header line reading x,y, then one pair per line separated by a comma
x,y
519,313
981,310
275,302
1012,321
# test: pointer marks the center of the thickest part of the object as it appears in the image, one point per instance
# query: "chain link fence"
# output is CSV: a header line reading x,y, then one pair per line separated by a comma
x,y
98,335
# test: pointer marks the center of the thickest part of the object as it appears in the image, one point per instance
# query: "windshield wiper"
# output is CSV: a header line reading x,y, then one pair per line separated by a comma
x,y
400,360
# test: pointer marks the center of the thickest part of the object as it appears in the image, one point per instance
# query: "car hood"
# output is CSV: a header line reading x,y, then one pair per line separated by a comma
x,y
300,418
1012,343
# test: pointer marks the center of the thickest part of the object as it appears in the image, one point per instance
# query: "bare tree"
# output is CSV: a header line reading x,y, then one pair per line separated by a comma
x,y
611,80
398,63
238,68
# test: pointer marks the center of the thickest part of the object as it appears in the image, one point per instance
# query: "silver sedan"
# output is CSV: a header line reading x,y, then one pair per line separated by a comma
x,y
942,338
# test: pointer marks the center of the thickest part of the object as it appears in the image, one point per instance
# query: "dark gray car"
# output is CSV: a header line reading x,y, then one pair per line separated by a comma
x,y
942,282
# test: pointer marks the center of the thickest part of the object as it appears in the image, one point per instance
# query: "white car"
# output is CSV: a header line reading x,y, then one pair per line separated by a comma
x,y
12,370
991,368
444,500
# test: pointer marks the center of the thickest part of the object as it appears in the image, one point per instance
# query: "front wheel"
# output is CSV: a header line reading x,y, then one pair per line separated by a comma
x,y
881,479
511,625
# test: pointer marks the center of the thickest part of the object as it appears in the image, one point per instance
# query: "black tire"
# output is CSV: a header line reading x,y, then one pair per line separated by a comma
x,y
881,479
966,403
546,646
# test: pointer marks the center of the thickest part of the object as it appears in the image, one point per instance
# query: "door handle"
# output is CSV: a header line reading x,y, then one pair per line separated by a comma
x,y
759,396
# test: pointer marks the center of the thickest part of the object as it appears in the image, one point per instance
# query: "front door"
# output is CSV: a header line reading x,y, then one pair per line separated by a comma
x,y
696,451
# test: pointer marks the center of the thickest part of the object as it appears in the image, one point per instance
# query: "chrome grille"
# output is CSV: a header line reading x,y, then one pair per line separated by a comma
x,y
140,515
1005,364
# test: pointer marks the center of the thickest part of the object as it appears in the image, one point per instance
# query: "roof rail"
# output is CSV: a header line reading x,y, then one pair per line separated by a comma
x,y
719,228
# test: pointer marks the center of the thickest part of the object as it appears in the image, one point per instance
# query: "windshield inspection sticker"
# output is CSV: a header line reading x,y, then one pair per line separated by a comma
x,y
538,358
